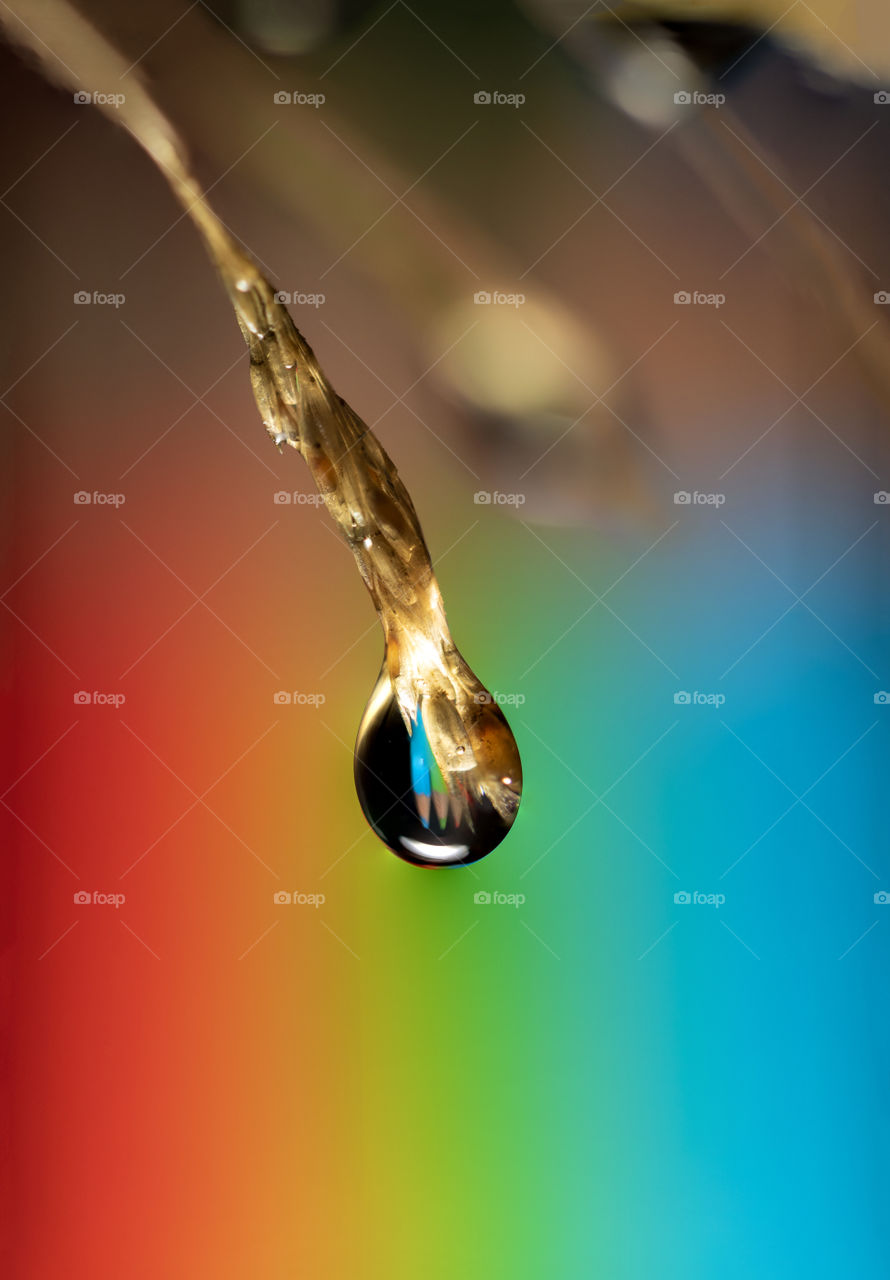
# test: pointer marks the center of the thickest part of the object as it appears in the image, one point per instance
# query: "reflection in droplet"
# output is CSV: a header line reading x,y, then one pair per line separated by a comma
x,y
406,800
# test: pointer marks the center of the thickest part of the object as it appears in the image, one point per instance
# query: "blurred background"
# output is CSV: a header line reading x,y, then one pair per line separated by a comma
x,y
611,284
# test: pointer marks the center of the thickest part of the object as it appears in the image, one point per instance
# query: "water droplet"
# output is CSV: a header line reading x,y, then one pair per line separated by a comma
x,y
426,818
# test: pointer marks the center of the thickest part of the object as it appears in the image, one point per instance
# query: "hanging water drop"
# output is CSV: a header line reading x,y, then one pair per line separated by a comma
x,y
429,817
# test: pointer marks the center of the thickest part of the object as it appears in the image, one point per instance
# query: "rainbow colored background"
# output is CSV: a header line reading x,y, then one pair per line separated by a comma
x,y
401,1081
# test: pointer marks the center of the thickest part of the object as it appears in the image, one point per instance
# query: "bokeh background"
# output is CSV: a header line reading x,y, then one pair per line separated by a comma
x,y
666,1055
